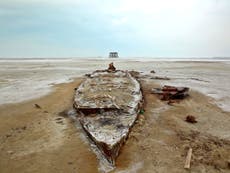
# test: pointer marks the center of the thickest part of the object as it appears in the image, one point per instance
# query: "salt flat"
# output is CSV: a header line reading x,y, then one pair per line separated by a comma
x,y
23,79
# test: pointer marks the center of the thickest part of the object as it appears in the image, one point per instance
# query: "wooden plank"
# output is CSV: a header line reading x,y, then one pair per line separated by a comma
x,y
188,159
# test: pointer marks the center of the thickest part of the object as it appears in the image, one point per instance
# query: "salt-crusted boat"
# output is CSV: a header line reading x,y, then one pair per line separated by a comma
x,y
108,102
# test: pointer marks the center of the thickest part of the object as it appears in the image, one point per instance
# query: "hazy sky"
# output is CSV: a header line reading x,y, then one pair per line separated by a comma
x,y
154,28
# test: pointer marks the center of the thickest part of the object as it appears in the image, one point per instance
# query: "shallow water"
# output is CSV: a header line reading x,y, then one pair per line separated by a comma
x,y
22,79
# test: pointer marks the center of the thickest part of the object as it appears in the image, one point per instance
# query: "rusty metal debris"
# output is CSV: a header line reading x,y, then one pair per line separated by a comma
x,y
191,119
108,103
111,67
171,92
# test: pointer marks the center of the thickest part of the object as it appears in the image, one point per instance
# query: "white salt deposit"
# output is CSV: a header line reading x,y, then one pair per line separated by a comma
x,y
23,79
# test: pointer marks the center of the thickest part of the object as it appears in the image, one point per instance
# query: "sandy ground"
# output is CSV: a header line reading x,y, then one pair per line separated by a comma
x,y
42,140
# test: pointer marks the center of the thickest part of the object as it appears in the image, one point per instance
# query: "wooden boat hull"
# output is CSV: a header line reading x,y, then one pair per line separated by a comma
x,y
108,103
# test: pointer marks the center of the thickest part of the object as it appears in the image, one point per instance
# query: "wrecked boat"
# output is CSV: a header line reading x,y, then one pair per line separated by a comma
x,y
171,92
108,102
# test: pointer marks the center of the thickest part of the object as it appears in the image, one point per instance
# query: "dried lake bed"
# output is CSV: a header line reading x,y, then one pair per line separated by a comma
x,y
23,79
42,139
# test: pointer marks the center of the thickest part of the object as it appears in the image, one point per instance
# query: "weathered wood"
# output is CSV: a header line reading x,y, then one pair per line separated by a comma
x,y
108,103
188,159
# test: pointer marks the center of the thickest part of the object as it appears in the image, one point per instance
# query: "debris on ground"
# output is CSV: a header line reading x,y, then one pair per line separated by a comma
x,y
191,119
58,119
188,159
171,93
111,67
70,163
8,135
152,71
24,128
108,104
87,75
37,106
206,149
160,78
198,79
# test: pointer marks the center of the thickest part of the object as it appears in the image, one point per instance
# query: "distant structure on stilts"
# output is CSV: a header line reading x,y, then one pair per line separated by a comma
x,y
113,55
